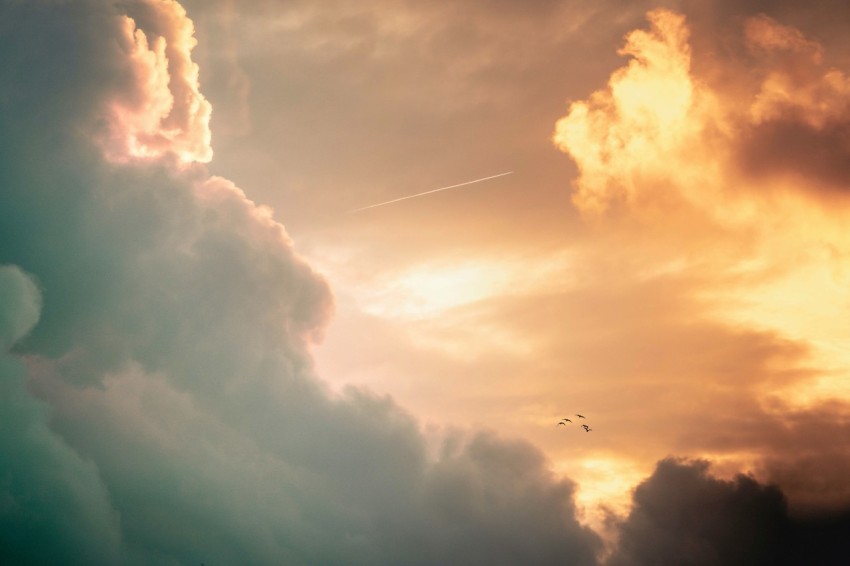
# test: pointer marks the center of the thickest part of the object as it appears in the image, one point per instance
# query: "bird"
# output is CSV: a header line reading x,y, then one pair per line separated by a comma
x,y
562,423
585,427
580,416
566,419
588,429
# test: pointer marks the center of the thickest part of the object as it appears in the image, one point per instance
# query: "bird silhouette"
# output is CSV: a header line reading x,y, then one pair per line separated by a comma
x,y
579,416
562,423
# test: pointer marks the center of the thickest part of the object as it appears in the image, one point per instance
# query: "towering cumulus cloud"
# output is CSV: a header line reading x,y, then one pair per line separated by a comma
x,y
163,112
159,404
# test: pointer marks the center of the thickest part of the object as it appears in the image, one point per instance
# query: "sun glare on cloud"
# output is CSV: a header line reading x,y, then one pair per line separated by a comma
x,y
629,135
171,117
605,485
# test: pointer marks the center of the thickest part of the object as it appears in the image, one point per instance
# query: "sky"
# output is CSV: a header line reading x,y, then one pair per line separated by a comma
x,y
207,357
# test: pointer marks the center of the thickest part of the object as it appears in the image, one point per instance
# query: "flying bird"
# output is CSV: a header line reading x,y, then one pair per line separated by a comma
x,y
565,419
562,423
579,416
585,427
431,191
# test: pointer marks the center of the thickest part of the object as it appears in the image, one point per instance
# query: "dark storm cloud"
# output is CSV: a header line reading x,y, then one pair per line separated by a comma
x,y
807,455
683,515
173,415
52,501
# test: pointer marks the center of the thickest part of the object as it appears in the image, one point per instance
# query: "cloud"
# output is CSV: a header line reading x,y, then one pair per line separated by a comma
x,y
710,171
621,136
677,124
800,110
52,501
683,515
160,392
21,305
164,113
164,408
707,521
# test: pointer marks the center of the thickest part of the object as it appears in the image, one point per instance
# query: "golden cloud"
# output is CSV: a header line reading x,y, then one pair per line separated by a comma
x,y
724,188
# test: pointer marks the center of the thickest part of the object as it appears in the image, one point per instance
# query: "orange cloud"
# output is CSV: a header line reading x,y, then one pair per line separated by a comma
x,y
800,86
625,137
658,131
723,192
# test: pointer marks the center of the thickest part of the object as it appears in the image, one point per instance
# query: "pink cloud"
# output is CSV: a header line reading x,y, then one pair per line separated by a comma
x,y
164,113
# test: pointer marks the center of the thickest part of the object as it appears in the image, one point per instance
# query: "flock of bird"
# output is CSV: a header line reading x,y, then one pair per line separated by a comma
x,y
565,420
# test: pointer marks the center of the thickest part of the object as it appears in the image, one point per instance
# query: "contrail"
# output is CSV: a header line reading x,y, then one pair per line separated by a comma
x,y
431,191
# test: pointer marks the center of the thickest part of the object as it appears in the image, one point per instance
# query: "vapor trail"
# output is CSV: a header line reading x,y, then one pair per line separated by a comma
x,y
431,191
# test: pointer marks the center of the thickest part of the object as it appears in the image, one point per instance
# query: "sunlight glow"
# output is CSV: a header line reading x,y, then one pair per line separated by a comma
x,y
429,290
605,485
